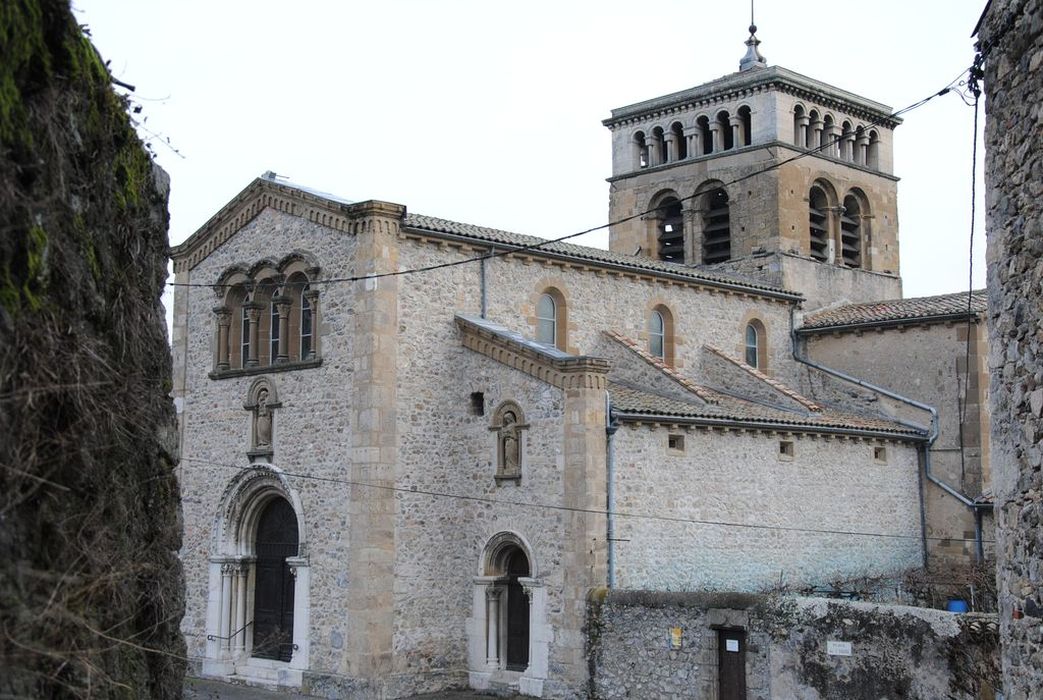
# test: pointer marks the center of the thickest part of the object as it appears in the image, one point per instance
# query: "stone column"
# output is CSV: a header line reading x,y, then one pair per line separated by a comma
x,y
224,322
653,151
253,313
226,607
848,147
863,150
312,296
694,137
693,233
738,138
282,305
802,131
240,572
374,440
829,139
493,596
715,135
836,243
671,146
816,134
540,637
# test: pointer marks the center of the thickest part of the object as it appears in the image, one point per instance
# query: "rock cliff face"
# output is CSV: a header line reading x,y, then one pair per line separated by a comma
x,y
1011,37
90,585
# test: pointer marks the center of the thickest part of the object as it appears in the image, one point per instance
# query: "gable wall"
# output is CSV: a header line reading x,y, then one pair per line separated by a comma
x,y
312,430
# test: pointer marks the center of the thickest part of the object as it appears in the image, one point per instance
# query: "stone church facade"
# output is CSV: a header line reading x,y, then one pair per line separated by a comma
x,y
411,447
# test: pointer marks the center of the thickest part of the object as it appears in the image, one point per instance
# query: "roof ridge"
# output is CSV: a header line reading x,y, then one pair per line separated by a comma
x,y
770,381
697,389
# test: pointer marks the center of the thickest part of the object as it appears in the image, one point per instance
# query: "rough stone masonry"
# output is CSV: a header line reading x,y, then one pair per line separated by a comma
x,y
1011,35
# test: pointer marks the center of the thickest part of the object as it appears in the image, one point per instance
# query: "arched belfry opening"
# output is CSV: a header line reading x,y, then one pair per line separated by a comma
x,y
818,224
717,231
669,216
275,545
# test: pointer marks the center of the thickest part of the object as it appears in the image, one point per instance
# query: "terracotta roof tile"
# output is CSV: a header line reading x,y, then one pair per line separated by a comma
x,y
916,309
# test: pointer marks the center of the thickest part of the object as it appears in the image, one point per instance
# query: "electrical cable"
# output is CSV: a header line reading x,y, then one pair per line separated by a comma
x,y
513,249
413,490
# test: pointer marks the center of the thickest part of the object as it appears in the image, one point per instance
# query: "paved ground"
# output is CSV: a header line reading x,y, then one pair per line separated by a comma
x,y
197,689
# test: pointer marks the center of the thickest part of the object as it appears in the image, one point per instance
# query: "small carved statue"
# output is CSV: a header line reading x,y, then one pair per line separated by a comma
x,y
262,421
509,434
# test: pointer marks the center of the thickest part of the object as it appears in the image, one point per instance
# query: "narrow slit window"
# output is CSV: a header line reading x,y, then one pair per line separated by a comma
x,y
306,325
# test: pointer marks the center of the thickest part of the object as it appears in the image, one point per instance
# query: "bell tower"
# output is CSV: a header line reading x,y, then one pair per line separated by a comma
x,y
763,172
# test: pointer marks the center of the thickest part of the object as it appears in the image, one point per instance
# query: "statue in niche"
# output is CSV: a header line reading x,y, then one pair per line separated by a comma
x,y
262,421
261,402
508,424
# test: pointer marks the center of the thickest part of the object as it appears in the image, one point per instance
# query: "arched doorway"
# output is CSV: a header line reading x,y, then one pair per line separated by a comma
x,y
517,611
276,541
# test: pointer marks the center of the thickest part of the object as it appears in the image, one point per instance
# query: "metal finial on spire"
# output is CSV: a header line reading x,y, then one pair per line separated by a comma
x,y
753,57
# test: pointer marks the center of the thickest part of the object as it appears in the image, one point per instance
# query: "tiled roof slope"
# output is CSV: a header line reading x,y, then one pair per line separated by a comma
x,y
718,406
420,222
917,309
628,399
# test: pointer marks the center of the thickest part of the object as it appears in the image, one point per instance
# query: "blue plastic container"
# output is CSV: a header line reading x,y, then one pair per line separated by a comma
x,y
957,605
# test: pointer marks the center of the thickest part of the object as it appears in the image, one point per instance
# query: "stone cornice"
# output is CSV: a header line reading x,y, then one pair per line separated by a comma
x,y
555,368
351,218
738,85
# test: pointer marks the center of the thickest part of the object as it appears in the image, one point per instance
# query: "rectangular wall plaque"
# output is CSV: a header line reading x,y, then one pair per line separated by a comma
x,y
675,638
835,648
731,645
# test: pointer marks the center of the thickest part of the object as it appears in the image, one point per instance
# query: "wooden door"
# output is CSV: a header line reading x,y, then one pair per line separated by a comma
x,y
517,613
273,582
731,664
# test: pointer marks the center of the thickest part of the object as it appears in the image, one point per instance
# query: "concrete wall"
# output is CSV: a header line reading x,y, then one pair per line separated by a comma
x,y
895,652
741,478
1012,37
931,371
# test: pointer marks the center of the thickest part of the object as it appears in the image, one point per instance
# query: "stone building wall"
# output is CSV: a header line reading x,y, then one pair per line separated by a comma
x,y
740,477
932,372
895,651
1011,35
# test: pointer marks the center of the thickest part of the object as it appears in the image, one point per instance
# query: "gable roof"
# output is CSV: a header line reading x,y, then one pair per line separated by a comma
x,y
334,212
714,407
895,312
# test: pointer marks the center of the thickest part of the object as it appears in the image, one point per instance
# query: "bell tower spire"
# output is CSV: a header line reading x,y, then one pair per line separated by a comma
x,y
753,57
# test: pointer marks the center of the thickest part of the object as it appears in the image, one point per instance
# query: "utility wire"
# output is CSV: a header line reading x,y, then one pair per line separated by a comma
x,y
506,249
413,490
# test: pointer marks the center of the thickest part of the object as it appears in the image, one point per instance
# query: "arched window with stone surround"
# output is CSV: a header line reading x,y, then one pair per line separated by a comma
x,y
756,351
716,223
680,143
800,127
259,616
661,334
746,126
657,147
814,129
873,157
640,146
724,127
830,144
702,124
551,318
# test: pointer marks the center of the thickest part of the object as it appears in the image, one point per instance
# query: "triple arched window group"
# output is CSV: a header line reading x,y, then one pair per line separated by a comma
x,y
838,228
707,219
676,141
268,315
847,141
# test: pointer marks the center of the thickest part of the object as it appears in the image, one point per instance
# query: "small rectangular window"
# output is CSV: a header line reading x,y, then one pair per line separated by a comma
x,y
675,442
477,403
786,450
880,454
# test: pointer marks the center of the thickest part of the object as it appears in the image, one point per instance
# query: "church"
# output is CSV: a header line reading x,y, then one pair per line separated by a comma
x,y
412,447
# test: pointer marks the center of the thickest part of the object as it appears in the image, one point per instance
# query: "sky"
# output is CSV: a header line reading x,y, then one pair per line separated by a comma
x,y
490,112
